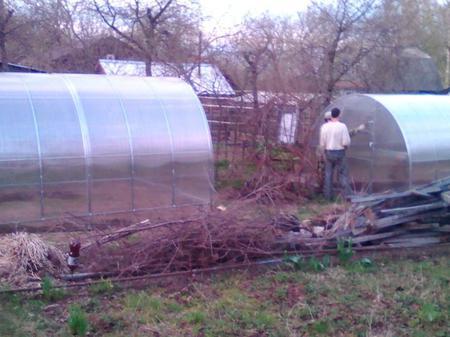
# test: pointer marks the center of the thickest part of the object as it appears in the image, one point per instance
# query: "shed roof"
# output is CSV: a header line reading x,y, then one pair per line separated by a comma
x,y
17,68
205,78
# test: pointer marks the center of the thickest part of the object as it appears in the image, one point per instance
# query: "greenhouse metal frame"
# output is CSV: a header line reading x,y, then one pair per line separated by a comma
x,y
95,144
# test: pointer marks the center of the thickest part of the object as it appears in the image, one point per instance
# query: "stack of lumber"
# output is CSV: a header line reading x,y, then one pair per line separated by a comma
x,y
418,217
414,218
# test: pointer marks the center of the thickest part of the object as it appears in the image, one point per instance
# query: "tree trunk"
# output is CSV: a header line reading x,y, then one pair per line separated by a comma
x,y
3,53
447,68
3,22
148,66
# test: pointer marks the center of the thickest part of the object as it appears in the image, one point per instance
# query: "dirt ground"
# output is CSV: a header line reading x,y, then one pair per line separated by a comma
x,y
397,293
401,294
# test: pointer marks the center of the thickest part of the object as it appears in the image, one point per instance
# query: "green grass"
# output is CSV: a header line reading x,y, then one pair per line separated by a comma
x,y
77,321
49,292
363,297
105,286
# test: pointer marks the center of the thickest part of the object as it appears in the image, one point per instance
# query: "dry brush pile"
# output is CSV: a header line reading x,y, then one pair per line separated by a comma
x,y
414,218
25,258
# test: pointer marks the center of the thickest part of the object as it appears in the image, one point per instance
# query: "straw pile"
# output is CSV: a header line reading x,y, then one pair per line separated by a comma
x,y
25,257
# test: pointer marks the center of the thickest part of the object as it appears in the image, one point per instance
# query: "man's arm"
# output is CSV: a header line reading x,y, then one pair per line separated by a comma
x,y
345,137
322,139
355,131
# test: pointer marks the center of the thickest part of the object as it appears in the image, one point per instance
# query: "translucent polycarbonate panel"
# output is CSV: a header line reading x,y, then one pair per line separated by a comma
x,y
56,117
65,186
109,144
425,123
20,203
144,111
19,172
110,167
191,142
65,199
17,129
63,169
190,183
111,196
103,115
188,127
194,190
92,144
20,183
153,181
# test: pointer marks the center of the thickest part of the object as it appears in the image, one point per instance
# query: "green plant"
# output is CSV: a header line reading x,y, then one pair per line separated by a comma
x,y
321,327
104,286
361,266
49,292
326,261
317,265
78,323
264,320
195,317
281,293
345,250
429,313
237,184
295,261
223,164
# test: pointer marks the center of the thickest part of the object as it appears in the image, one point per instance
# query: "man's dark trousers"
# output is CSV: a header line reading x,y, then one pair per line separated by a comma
x,y
335,160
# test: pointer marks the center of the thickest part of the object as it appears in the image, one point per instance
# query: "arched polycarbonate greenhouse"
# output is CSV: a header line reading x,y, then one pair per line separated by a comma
x,y
405,141
94,144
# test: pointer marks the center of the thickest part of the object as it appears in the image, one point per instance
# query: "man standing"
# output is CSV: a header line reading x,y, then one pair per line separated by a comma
x,y
334,140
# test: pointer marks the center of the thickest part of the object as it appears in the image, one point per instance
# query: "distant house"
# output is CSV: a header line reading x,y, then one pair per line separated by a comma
x,y
17,68
206,79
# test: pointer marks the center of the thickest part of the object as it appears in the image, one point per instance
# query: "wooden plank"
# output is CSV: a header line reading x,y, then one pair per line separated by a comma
x,y
425,191
408,236
420,226
419,242
415,209
399,219
379,197
443,229
373,237
446,197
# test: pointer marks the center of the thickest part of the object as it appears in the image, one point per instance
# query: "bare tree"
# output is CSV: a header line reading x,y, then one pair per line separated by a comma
x,y
153,29
335,39
6,15
447,54
253,48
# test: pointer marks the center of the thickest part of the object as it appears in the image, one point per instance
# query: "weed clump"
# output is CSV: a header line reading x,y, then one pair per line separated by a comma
x,y
103,287
78,323
49,292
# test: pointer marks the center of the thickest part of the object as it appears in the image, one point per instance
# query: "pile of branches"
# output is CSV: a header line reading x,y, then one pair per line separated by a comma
x,y
217,238
280,179
414,218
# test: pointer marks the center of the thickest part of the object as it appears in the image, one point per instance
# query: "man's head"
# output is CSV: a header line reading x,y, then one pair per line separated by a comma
x,y
335,112
327,116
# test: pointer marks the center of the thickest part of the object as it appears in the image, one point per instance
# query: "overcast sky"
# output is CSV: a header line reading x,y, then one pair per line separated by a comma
x,y
228,13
